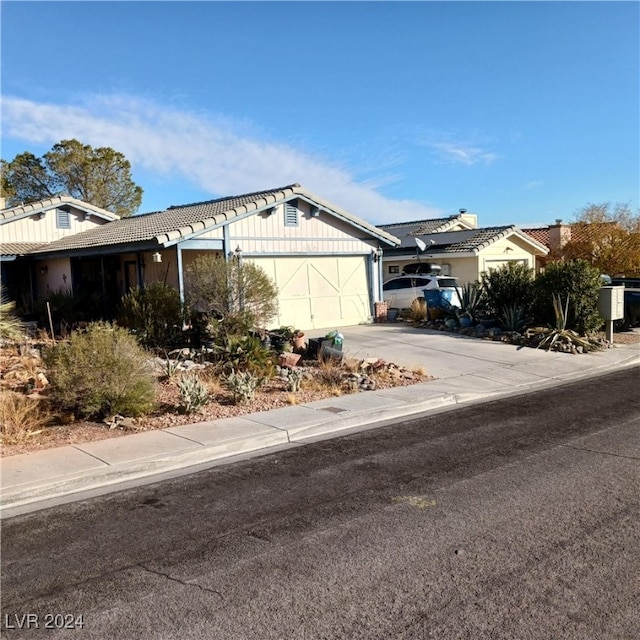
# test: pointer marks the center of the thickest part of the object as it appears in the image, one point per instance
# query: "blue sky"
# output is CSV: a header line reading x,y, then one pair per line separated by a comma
x,y
521,112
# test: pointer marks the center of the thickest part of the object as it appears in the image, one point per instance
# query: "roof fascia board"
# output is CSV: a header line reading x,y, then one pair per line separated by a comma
x,y
189,233
216,244
102,250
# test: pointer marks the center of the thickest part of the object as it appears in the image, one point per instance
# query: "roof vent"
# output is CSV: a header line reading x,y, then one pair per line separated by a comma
x,y
462,211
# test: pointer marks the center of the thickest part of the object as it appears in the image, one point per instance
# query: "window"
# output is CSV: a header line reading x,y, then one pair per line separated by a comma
x,y
291,214
398,283
394,268
63,221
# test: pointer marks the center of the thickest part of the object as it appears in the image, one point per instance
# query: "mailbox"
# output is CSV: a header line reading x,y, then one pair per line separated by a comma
x,y
611,303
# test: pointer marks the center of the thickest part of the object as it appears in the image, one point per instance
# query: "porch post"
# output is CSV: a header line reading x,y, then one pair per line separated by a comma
x,y
180,274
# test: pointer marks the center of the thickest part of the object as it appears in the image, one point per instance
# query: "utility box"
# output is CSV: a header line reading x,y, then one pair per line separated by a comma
x,y
611,303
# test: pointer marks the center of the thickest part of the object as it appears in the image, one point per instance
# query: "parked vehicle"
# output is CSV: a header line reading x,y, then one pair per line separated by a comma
x,y
631,299
400,292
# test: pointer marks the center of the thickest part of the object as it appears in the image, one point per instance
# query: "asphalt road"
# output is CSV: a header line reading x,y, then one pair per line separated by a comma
x,y
514,519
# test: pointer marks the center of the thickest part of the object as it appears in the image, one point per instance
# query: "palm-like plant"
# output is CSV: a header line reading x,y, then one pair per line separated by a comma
x,y
471,299
559,332
11,327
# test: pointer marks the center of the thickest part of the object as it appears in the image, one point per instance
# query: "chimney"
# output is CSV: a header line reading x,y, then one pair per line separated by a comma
x,y
559,235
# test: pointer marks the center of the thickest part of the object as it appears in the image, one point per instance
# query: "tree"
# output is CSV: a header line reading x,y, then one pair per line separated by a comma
x,y
99,176
608,237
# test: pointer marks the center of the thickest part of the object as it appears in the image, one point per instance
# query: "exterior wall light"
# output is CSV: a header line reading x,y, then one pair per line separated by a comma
x,y
156,257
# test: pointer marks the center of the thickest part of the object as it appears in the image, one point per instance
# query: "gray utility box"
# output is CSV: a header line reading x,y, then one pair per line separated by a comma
x,y
611,303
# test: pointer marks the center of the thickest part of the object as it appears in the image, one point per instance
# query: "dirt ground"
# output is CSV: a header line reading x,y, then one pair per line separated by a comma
x,y
273,396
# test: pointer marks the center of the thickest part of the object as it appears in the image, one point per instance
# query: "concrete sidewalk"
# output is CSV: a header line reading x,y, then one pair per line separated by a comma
x,y
466,370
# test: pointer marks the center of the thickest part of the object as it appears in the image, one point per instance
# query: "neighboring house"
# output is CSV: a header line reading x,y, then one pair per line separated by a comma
x,y
458,248
324,261
556,236
30,226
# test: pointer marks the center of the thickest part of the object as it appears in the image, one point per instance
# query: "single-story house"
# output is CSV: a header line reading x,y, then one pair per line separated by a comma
x,y
325,262
27,227
457,247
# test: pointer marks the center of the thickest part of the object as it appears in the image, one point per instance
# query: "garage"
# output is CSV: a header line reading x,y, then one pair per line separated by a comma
x,y
320,292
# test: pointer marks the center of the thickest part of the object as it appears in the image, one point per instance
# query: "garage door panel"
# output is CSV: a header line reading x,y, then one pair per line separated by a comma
x,y
320,292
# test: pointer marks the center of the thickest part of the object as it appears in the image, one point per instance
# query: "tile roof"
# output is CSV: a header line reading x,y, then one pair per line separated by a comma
x,y
464,241
471,240
18,248
422,227
541,234
180,221
31,208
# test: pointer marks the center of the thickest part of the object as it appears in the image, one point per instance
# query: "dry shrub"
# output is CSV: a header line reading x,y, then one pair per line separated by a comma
x,y
22,417
328,378
418,310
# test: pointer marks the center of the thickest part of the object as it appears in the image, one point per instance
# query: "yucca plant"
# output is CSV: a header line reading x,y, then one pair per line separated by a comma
x,y
11,327
559,332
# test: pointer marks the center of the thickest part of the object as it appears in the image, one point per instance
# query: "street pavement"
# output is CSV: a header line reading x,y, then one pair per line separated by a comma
x,y
465,370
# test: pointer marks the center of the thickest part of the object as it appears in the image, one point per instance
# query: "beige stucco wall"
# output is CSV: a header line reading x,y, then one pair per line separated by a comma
x,y
52,275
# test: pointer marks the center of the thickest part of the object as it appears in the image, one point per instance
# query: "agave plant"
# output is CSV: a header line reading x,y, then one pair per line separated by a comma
x,y
514,318
559,332
471,299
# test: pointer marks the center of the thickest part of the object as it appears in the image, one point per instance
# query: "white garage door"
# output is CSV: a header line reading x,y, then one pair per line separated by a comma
x,y
321,292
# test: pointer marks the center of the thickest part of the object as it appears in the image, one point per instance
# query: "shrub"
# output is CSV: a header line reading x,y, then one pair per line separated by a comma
x,y
244,353
576,280
21,417
153,313
100,372
228,288
510,284
418,310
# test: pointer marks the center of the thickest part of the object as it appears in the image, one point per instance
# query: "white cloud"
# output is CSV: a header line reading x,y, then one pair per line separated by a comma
x,y
209,152
533,184
460,153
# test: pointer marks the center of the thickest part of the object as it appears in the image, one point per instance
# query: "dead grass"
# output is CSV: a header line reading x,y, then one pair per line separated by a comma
x,y
22,417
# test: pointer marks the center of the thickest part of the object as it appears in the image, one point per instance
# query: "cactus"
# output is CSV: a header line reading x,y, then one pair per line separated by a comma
x,y
243,385
294,378
193,393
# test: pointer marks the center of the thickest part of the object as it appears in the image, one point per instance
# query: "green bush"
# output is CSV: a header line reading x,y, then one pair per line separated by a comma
x,y
511,284
153,313
100,372
577,280
228,288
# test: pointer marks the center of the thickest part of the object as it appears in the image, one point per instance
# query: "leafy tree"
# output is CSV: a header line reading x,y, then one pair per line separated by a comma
x,y
232,288
99,176
608,237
